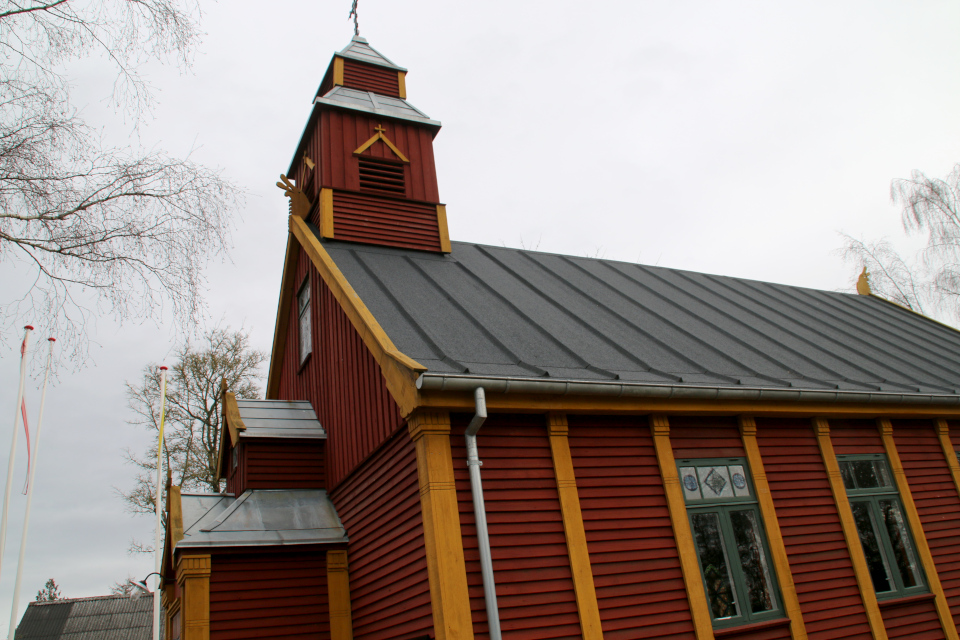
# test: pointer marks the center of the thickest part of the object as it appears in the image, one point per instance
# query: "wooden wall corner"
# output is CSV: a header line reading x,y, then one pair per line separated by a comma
x,y
338,595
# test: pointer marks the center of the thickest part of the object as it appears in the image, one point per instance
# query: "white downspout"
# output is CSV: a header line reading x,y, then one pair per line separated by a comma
x,y
480,514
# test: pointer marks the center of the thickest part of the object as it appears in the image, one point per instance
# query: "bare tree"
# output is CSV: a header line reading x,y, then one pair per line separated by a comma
x,y
193,414
928,283
128,229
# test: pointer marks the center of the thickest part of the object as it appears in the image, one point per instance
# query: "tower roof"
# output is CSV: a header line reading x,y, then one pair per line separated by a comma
x,y
359,49
376,104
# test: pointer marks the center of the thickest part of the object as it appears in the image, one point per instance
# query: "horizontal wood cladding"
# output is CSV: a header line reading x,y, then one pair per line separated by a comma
x,y
379,505
812,535
343,132
705,437
340,379
530,562
385,221
636,569
286,464
936,499
917,620
368,77
278,594
774,630
855,436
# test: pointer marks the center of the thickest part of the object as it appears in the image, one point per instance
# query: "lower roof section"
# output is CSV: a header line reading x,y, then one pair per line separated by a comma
x,y
260,517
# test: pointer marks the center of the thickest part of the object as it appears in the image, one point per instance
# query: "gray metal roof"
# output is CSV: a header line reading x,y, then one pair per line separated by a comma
x,y
260,517
279,419
507,313
99,618
369,102
359,49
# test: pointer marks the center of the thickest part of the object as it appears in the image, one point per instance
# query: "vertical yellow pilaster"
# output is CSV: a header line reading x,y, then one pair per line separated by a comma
x,y
193,576
778,552
326,213
943,434
430,431
402,83
442,227
338,71
699,610
338,596
822,429
573,530
916,527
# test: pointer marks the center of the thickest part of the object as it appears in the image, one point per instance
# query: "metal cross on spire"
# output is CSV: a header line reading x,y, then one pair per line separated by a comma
x,y
356,18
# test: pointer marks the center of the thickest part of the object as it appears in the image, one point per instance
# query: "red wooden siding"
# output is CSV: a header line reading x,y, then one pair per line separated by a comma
x,y
855,436
385,221
368,77
636,568
530,562
774,631
340,379
916,620
278,594
289,464
705,437
955,434
379,505
344,132
810,525
936,498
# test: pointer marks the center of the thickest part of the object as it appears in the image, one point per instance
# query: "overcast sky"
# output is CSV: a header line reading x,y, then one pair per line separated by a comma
x,y
735,138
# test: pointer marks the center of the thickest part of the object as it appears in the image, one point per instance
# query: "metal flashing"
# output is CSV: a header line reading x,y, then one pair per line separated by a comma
x,y
360,49
386,106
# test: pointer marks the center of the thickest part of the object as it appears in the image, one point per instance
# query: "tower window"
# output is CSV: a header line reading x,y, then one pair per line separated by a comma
x,y
303,320
381,176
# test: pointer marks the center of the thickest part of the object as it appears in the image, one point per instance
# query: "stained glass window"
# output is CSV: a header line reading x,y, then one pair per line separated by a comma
x,y
730,543
884,536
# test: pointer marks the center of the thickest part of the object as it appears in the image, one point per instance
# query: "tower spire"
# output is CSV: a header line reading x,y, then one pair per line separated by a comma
x,y
356,18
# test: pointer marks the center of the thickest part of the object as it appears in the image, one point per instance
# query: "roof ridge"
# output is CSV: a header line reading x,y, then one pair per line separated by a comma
x,y
83,599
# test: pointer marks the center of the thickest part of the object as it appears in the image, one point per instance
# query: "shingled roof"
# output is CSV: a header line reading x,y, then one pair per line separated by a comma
x,y
97,618
493,312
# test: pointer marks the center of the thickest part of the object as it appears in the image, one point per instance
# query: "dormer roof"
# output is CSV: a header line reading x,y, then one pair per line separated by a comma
x,y
369,102
359,49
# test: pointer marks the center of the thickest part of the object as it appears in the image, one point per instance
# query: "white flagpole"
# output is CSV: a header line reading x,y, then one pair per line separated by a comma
x,y
14,617
157,550
13,446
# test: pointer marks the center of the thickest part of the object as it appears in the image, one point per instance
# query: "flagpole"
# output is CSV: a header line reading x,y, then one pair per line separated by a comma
x,y
157,551
13,446
26,518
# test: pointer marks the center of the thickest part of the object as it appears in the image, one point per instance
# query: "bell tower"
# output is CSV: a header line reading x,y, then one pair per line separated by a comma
x,y
365,162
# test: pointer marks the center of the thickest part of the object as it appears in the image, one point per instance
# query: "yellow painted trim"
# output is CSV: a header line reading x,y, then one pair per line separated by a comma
x,y
449,598
690,567
442,226
778,552
287,286
576,537
299,202
399,371
193,576
542,402
326,213
402,84
943,434
380,136
337,71
822,430
338,596
175,517
919,537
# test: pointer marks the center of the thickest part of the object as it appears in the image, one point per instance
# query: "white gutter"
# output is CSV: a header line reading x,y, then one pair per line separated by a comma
x,y
480,513
554,386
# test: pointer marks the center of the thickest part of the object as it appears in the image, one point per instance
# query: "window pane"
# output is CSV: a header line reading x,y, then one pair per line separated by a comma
x,y
752,559
900,541
846,471
715,482
713,563
306,341
691,486
739,479
867,530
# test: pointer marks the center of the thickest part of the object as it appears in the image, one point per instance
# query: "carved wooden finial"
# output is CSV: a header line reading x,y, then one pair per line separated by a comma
x,y
299,204
863,283
379,128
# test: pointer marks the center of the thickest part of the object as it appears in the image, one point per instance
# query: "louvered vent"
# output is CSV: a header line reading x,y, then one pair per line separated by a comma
x,y
381,176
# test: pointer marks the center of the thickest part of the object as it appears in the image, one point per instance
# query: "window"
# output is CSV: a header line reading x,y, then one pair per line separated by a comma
x,y
729,539
381,176
884,536
303,311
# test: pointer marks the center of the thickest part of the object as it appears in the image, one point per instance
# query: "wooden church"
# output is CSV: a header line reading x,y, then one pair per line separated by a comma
x,y
462,441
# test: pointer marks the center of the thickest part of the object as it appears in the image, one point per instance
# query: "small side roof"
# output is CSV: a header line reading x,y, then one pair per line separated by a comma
x,y
368,102
97,618
260,517
360,49
279,419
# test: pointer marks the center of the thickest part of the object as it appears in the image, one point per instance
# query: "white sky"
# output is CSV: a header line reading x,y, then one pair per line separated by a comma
x,y
735,138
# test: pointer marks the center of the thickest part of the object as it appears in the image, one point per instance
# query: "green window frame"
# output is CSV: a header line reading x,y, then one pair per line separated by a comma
x,y
731,544
885,537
